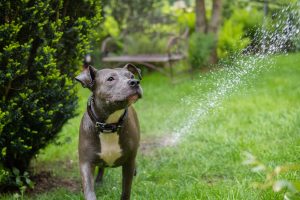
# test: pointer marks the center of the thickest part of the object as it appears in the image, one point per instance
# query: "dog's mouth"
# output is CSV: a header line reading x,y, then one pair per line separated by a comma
x,y
134,97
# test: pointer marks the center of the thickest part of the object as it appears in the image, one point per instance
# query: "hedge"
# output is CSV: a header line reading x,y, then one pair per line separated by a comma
x,y
42,43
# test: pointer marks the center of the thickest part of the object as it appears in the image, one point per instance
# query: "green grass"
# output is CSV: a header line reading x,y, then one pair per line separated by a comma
x,y
262,117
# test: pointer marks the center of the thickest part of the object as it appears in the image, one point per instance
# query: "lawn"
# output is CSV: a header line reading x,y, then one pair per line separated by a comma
x,y
261,117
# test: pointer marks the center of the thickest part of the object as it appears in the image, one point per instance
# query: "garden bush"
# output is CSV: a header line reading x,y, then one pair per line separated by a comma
x,y
200,47
42,44
231,39
239,31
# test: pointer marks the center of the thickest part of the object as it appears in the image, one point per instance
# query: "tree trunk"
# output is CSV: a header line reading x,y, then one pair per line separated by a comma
x,y
201,21
214,27
215,17
211,27
213,59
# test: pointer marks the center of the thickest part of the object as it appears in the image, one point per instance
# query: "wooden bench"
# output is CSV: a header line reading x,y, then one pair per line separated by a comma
x,y
174,52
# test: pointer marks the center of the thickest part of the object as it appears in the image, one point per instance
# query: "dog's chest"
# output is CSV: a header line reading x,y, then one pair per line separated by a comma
x,y
110,148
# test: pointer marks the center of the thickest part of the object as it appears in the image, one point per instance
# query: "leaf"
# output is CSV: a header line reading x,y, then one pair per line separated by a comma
x,y
29,182
16,171
23,189
18,181
16,196
26,174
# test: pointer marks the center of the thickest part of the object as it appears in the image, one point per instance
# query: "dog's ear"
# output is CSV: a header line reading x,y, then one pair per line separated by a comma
x,y
133,69
87,77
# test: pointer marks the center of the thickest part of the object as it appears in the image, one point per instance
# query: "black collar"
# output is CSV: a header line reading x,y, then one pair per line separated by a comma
x,y
101,126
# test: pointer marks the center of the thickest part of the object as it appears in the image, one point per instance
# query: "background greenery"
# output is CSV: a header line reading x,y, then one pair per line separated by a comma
x,y
42,47
262,118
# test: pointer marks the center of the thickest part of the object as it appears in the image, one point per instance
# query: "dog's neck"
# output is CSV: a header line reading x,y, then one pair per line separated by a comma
x,y
105,113
115,116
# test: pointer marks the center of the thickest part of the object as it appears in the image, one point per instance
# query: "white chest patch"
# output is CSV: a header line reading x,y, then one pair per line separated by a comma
x,y
110,147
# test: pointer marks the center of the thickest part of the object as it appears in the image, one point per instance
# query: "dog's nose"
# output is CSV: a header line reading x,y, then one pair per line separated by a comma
x,y
133,82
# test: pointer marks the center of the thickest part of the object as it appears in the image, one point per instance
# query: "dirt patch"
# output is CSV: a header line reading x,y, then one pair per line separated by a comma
x,y
149,145
45,181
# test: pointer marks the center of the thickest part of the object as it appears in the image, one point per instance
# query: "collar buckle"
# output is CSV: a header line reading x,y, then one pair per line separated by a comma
x,y
99,125
107,128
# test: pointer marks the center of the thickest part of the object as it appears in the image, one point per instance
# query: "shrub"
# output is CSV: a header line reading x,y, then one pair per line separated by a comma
x,y
42,43
239,31
231,39
200,47
250,19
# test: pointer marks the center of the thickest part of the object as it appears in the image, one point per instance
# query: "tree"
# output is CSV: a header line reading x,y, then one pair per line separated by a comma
x,y
42,43
211,26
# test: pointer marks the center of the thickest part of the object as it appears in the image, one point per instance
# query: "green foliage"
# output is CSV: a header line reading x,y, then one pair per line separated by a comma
x,y
131,15
110,26
185,17
136,27
250,14
4,176
250,19
239,31
144,44
22,181
42,44
231,39
200,47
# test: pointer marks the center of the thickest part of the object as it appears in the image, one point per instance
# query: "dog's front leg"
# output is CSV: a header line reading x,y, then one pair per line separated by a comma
x,y
86,170
127,176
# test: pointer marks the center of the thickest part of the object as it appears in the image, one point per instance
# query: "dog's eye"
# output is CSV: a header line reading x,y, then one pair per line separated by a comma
x,y
132,76
110,78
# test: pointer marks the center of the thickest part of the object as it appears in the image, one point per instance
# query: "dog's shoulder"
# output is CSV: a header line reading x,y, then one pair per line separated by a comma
x,y
86,124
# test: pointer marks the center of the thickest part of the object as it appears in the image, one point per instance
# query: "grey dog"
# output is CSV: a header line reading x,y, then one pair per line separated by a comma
x,y
109,130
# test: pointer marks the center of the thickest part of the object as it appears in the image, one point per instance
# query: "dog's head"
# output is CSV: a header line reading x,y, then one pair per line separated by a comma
x,y
116,87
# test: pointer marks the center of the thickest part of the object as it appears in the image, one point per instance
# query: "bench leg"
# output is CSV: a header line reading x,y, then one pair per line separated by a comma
x,y
171,69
